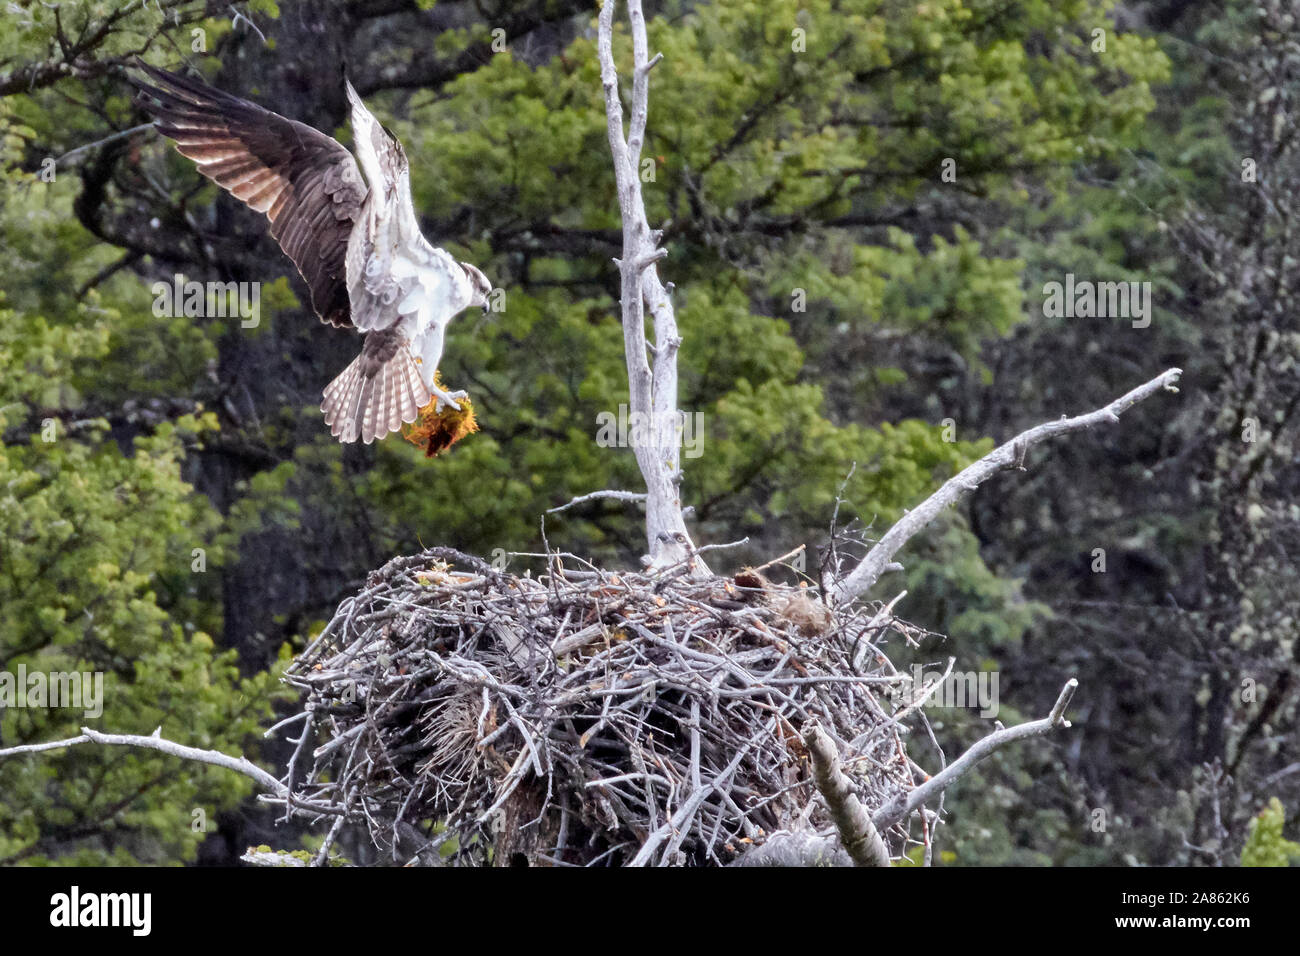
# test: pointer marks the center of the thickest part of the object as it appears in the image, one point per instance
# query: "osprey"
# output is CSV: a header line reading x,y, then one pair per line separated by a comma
x,y
356,243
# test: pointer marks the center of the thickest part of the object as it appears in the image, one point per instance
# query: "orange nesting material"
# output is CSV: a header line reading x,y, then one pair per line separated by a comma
x,y
434,432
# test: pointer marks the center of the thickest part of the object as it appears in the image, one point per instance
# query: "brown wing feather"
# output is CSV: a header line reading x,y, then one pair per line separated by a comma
x,y
307,184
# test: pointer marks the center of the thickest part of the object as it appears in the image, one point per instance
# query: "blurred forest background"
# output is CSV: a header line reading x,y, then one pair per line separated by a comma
x,y
192,523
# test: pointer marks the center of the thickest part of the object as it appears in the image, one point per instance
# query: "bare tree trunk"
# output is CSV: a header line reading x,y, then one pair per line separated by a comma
x,y
657,443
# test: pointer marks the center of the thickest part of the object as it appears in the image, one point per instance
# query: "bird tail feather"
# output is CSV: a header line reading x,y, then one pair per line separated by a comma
x,y
360,406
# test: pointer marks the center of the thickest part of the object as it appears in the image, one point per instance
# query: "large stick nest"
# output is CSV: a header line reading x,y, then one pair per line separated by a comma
x,y
592,717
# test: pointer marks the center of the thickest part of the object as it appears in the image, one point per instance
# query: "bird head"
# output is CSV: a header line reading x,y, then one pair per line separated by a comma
x,y
480,285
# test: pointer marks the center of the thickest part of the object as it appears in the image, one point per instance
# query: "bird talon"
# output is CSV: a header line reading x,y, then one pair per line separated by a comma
x,y
449,400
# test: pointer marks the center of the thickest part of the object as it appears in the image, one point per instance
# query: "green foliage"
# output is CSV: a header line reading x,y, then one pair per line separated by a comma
x,y
981,612
1265,845
952,294
96,575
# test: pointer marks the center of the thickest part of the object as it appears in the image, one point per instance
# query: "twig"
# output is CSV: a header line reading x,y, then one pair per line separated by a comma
x,y
595,495
860,653
323,854
721,546
789,554
120,134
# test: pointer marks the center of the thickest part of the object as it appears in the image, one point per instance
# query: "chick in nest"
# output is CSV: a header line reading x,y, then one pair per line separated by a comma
x,y
809,616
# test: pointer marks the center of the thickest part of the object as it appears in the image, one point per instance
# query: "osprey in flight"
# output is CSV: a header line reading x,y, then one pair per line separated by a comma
x,y
359,249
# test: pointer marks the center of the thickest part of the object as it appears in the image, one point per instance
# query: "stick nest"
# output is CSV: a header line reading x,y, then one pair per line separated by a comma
x,y
591,717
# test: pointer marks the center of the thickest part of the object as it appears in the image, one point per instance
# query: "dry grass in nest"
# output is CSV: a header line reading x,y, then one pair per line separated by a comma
x,y
591,717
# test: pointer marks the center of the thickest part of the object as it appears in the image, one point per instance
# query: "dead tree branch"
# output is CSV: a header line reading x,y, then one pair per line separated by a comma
x,y
156,742
859,836
904,804
855,840
596,496
1002,458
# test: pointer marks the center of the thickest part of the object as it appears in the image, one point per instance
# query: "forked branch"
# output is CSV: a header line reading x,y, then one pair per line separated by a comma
x,y
857,836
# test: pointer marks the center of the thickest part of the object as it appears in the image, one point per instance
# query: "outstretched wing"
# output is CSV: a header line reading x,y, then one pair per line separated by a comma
x,y
382,158
385,256
307,184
